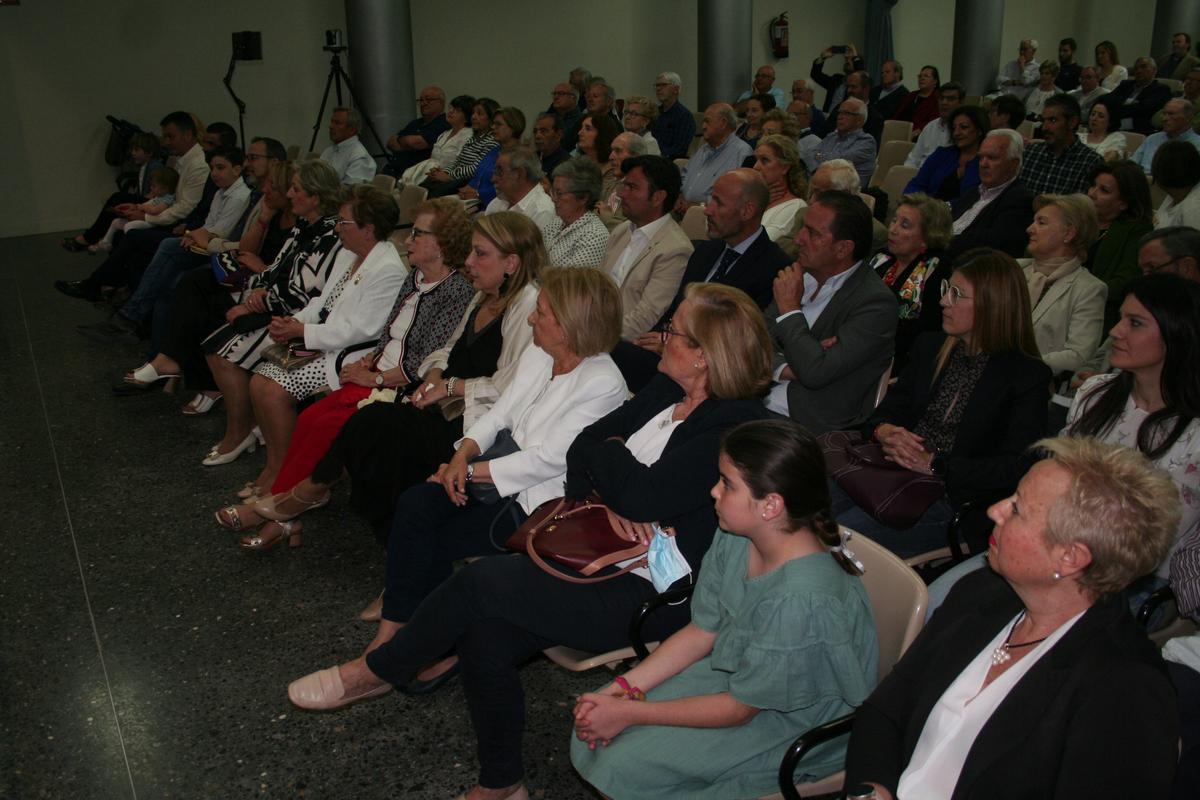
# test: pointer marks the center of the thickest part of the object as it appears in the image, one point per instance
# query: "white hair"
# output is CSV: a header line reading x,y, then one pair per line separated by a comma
x,y
671,78
1016,145
860,110
1032,43
843,176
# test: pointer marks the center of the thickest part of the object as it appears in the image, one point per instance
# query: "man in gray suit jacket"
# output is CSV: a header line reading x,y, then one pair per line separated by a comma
x,y
833,320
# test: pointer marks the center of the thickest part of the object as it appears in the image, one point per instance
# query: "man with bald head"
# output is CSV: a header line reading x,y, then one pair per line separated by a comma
x,y
1177,117
413,143
763,83
850,141
858,85
1136,100
738,253
721,152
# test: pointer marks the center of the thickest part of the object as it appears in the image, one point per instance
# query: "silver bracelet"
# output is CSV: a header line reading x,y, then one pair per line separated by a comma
x,y
450,386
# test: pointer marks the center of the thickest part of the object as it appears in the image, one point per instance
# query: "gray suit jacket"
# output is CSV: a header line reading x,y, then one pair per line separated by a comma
x,y
835,388
653,278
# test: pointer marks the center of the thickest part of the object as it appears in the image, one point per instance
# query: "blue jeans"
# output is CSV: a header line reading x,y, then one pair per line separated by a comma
x,y
168,264
929,533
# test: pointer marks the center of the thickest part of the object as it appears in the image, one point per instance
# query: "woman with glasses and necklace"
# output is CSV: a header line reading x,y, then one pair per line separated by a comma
x,y
971,401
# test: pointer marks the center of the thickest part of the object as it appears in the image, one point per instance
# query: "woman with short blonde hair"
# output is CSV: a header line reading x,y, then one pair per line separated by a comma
x,y
640,114
729,327
585,301
777,159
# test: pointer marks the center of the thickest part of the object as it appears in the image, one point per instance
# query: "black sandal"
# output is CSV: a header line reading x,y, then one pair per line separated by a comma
x,y
73,245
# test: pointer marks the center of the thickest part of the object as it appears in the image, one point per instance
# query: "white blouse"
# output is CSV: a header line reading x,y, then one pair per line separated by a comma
x,y
780,220
1112,143
1181,461
1115,77
958,717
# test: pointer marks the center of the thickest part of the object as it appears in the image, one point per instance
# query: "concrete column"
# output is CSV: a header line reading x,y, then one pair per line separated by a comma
x,y
977,28
725,34
379,33
1172,17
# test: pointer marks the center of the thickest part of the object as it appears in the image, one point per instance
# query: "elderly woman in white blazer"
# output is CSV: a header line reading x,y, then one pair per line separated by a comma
x,y
1067,300
341,324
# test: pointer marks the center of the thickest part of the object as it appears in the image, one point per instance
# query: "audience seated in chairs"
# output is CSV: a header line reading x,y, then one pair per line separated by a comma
x,y
646,255
433,298
938,133
1176,126
1032,677
998,211
832,321
441,182
508,124
1089,92
596,135
548,142
675,127
920,107
577,237
1060,163
145,150
1068,301
638,118
913,267
290,284
757,106
1006,111
779,617
417,141
446,148
1136,100
653,462
517,177
849,141
625,145
970,402
1120,194
1108,65
952,171
1101,134
1176,171
778,161
347,155
721,152
387,447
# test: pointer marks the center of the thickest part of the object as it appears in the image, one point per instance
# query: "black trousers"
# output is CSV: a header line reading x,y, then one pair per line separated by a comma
x,y
129,259
195,309
1187,775
100,227
498,612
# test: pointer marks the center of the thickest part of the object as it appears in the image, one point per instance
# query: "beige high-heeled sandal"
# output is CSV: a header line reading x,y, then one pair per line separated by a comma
x,y
272,533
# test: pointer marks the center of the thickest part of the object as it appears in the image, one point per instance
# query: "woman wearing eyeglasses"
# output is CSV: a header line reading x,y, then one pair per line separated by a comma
x,y
971,401
640,114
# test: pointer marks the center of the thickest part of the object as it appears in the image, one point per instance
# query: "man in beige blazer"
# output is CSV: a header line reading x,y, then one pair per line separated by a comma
x,y
647,254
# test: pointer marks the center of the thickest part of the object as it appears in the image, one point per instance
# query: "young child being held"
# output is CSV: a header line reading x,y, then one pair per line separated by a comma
x,y
163,181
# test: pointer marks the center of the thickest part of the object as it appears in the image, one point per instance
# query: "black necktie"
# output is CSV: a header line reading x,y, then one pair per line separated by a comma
x,y
726,262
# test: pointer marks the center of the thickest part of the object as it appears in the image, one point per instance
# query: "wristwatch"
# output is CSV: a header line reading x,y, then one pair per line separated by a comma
x,y
470,472
379,380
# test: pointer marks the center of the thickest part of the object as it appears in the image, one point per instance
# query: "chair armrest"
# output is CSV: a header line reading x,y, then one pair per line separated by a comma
x,y
1157,598
954,538
649,607
807,741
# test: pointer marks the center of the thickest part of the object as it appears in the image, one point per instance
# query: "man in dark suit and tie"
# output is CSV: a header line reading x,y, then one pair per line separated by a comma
x,y
833,321
997,211
1138,99
738,253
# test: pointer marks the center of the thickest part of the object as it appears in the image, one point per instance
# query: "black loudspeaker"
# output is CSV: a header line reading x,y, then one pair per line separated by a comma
x,y
247,45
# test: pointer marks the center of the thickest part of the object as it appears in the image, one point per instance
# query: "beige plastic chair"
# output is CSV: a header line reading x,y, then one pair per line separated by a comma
x,y
893,186
408,199
682,163
385,182
293,152
869,200
1026,129
1132,142
694,146
695,224
972,100
890,154
896,130
1175,86
898,602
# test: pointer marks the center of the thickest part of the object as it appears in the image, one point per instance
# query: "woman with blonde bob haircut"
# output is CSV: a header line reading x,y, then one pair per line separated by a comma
x,y
1033,676
652,462
585,301
1068,300
971,401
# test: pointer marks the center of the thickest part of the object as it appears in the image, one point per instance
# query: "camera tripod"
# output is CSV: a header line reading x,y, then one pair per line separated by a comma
x,y
337,75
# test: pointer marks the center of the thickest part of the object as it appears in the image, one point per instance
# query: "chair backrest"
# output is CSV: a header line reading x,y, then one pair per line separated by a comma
x,y
1133,141
893,186
694,224
890,154
972,100
1175,86
408,199
1026,129
384,182
898,599
868,199
896,129
293,152
682,163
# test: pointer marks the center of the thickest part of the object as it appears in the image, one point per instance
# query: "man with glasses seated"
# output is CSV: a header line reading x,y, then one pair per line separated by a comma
x,y
564,104
413,143
675,127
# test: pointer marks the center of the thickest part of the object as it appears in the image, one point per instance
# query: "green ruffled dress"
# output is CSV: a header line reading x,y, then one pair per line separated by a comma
x,y
798,643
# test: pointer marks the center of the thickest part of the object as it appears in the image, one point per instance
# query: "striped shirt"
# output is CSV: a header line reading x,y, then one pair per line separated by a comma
x,y
470,156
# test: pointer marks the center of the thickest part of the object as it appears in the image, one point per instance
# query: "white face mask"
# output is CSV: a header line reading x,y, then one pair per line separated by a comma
x,y
664,560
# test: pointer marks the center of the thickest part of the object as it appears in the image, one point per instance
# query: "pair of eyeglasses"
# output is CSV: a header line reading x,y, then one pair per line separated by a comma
x,y
1150,269
342,222
955,293
417,233
631,113
670,331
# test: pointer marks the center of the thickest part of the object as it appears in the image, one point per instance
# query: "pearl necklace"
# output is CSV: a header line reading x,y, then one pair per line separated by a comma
x,y
1002,654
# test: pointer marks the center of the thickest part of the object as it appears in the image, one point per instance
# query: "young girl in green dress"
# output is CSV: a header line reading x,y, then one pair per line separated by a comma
x,y
781,640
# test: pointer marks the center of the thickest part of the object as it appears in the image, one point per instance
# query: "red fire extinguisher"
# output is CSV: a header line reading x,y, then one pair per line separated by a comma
x,y
779,36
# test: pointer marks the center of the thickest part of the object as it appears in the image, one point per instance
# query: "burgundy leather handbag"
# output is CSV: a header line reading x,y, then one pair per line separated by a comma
x,y
576,534
892,494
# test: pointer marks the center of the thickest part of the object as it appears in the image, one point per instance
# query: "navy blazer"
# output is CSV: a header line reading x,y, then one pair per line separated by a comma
x,y
1004,415
1095,717
674,490
1001,224
1149,101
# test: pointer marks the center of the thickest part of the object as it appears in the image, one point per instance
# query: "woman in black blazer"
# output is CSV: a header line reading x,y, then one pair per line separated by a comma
x,y
971,401
653,461
1032,680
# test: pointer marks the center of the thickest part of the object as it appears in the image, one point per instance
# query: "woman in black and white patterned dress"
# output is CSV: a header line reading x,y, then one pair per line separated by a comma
x,y
235,348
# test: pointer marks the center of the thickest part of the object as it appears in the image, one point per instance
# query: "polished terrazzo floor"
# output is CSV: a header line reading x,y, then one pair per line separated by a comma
x,y
142,654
